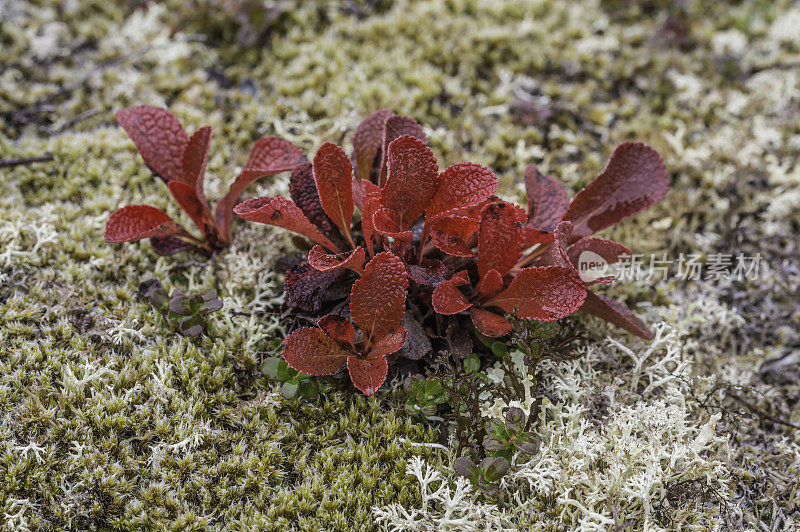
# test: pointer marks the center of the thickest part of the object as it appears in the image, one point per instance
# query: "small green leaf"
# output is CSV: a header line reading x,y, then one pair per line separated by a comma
x,y
472,364
494,468
289,390
270,367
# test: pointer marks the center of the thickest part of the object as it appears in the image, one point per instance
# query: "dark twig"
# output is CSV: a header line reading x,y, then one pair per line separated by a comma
x,y
10,163
761,412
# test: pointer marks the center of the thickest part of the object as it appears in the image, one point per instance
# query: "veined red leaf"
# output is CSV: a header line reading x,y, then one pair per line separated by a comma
x,y
320,260
500,238
461,185
304,286
608,250
186,196
372,204
556,255
361,189
137,222
490,285
269,155
384,224
488,323
615,312
545,293
452,235
303,190
158,136
340,329
393,128
413,178
281,212
367,141
195,158
333,176
547,199
429,272
311,351
634,178
378,297
447,298
367,374
389,343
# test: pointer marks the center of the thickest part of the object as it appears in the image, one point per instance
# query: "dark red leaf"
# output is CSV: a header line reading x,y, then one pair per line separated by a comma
x,y
384,223
412,182
361,189
500,238
195,158
158,136
372,204
556,255
303,190
461,185
608,250
615,312
533,236
305,286
490,285
452,235
367,374
378,297
395,127
547,199
417,343
281,212
320,260
544,293
448,299
269,155
186,196
333,176
340,329
137,222
488,323
389,343
429,272
367,141
311,351
169,245
634,178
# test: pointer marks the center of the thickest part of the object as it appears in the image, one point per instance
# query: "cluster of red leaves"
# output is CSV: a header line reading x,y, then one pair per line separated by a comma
x,y
180,161
444,239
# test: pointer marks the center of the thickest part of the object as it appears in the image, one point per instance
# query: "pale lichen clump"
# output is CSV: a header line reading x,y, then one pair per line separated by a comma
x,y
108,419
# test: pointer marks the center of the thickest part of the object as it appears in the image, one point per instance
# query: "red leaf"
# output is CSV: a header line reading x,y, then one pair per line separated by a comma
x,y
333,176
395,127
378,297
367,374
500,238
490,285
544,293
137,222
547,199
186,196
195,158
461,185
383,223
367,141
169,245
556,255
452,235
339,329
615,312
634,178
361,189
371,206
389,343
311,351
158,136
269,155
281,212
488,323
320,260
608,250
412,182
303,190
533,236
448,299
430,272
305,286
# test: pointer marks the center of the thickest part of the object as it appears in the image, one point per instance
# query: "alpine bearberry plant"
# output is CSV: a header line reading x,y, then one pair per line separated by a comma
x,y
444,254
180,161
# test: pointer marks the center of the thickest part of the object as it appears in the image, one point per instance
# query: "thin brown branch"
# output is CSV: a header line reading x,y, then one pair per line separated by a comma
x,y
22,161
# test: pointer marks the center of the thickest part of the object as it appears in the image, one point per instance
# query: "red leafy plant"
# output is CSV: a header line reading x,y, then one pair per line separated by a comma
x,y
180,161
461,256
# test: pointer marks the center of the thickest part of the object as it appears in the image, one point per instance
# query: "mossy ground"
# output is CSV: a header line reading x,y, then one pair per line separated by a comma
x,y
108,419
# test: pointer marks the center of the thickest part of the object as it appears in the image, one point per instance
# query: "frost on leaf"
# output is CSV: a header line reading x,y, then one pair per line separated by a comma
x,y
367,142
547,199
333,177
634,178
137,222
615,312
158,136
461,185
305,286
378,297
313,352
340,329
395,127
281,212
412,181
367,374
448,299
544,293
500,238
320,260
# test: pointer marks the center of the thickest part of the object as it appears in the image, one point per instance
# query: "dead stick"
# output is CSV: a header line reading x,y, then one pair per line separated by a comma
x,y
10,163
